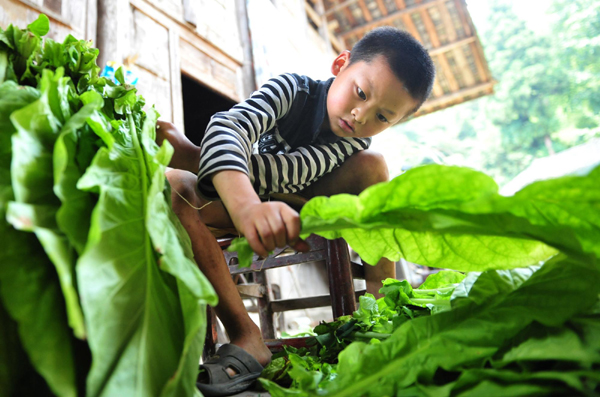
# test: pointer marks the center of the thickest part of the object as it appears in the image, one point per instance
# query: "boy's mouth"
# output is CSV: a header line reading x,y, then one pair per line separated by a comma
x,y
349,128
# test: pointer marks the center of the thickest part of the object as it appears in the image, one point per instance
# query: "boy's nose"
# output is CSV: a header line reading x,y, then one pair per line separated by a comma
x,y
357,114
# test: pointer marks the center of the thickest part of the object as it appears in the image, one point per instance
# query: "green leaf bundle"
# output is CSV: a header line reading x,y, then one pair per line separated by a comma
x,y
98,278
524,321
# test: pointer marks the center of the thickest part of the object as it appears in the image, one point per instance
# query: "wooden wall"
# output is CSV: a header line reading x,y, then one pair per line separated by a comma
x,y
76,17
161,39
164,38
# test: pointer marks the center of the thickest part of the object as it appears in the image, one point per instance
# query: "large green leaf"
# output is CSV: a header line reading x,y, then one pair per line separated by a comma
x,y
448,217
144,323
30,289
468,334
172,242
38,127
73,216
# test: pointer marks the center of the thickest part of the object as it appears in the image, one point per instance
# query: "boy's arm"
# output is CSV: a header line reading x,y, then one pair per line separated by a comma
x,y
186,155
265,225
227,143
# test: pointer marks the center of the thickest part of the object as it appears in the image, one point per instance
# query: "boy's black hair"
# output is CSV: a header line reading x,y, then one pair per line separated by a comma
x,y
409,60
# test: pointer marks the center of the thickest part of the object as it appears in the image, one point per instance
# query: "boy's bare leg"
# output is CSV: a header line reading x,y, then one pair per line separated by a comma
x,y
242,331
361,170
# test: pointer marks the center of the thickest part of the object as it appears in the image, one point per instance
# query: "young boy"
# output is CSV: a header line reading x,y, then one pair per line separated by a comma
x,y
313,139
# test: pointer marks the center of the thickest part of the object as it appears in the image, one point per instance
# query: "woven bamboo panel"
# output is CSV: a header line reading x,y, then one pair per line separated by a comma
x,y
443,26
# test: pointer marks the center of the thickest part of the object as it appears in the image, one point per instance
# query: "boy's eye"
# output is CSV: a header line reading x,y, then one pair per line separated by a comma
x,y
361,94
382,118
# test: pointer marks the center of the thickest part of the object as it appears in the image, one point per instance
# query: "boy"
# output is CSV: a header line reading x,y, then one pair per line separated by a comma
x,y
313,138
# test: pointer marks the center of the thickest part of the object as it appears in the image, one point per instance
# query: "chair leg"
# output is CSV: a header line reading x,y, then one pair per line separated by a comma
x,y
341,285
210,341
265,313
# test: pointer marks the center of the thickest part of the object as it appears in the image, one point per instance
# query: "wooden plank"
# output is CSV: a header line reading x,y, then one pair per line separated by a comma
x,y
151,45
451,46
91,17
410,26
339,6
461,9
312,14
400,4
250,290
437,90
430,27
337,45
479,62
248,85
285,305
231,60
463,66
469,91
382,7
189,11
448,24
390,17
366,13
197,65
176,90
448,72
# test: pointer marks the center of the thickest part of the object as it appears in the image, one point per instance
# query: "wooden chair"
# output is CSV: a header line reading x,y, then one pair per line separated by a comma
x,y
341,272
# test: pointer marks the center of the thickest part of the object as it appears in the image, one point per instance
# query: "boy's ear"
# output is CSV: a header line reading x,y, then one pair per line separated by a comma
x,y
341,62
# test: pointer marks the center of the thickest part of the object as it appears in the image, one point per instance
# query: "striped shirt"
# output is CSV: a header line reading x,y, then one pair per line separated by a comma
x,y
231,137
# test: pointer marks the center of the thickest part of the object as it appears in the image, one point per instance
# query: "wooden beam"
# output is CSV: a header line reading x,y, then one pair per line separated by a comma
x,y
250,290
447,20
451,46
382,7
448,72
337,45
324,29
390,17
339,6
175,77
463,66
400,4
285,305
458,94
479,62
460,8
430,27
365,10
410,26
437,90
312,14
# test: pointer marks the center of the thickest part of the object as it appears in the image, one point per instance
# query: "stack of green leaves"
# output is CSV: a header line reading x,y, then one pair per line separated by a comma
x,y
524,321
100,294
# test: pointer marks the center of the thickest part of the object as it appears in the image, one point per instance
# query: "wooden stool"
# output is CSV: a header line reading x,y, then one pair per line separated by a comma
x,y
341,272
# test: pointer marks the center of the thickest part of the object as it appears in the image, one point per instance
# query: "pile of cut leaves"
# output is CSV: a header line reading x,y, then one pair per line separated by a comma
x,y
524,321
99,291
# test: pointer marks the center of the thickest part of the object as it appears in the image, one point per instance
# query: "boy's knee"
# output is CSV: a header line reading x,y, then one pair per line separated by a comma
x,y
183,187
369,168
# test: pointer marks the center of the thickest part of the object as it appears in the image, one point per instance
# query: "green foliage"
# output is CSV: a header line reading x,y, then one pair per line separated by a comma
x,y
104,294
545,96
502,329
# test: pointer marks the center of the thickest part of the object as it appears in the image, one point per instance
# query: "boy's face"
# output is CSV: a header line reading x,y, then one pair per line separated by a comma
x,y
365,98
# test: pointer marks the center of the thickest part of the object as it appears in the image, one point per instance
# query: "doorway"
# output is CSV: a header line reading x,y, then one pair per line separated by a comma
x,y
199,105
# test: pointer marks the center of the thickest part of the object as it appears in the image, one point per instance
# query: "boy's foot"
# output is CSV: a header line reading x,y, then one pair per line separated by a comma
x,y
231,370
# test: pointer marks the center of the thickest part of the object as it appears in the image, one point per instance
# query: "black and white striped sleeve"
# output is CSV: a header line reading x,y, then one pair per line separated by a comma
x,y
294,171
227,143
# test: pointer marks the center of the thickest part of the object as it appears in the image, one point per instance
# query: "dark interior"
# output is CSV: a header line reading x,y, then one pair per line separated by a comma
x,y
199,104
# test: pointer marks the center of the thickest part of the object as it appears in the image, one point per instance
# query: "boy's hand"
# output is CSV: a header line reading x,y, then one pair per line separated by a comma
x,y
187,155
265,225
269,225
